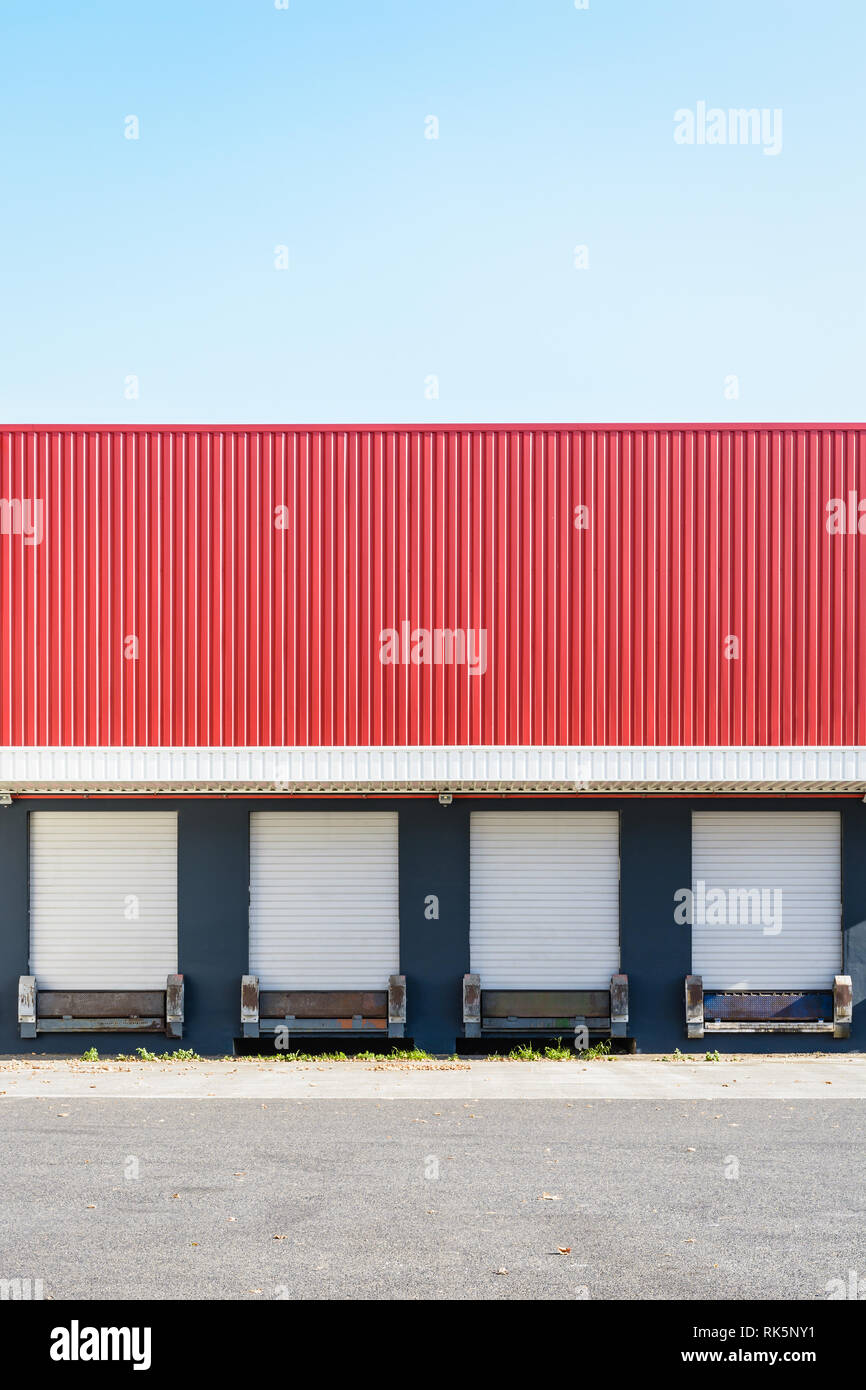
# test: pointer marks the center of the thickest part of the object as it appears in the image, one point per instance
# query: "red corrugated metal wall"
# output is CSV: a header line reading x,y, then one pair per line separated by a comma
x,y
258,626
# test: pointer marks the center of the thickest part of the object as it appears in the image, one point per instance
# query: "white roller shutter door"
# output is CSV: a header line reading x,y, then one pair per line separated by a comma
x,y
324,899
103,899
544,899
780,879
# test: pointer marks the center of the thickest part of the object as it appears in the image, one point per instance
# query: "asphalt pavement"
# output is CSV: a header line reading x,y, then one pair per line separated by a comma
x,y
429,1198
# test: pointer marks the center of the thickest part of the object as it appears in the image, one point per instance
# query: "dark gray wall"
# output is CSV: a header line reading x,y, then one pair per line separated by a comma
x,y
655,860
14,921
854,910
434,953
213,894
213,898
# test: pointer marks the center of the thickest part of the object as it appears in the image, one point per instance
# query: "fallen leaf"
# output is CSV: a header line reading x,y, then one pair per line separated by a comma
x,y
502,1271
691,1151
281,1237
563,1249
549,1197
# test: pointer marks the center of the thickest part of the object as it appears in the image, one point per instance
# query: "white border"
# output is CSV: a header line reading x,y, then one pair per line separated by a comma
x,y
490,768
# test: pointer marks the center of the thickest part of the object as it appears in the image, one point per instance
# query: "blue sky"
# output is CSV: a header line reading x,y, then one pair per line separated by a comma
x,y
413,258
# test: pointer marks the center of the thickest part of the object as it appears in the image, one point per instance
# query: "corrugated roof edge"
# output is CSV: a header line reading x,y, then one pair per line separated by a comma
x,y
728,427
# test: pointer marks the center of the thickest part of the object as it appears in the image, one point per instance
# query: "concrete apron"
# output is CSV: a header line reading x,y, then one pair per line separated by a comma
x,y
625,1078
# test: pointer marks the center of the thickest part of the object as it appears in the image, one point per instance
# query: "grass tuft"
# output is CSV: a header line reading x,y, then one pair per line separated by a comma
x,y
415,1054
597,1051
559,1052
142,1054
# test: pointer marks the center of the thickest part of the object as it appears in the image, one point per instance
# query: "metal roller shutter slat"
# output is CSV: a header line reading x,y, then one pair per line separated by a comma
x,y
84,866
324,910
544,899
798,853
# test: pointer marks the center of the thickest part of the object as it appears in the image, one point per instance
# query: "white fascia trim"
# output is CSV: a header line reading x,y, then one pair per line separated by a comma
x,y
387,769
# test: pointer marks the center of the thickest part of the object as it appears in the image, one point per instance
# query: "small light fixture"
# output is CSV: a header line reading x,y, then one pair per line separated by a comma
x,y
5,799
445,798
